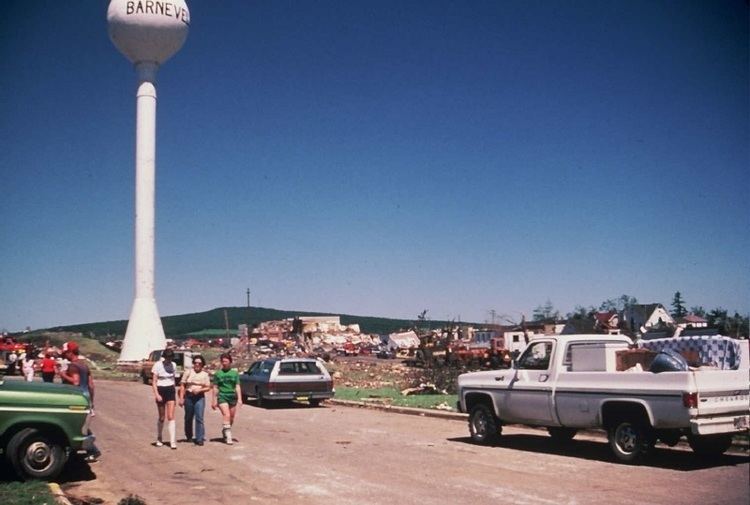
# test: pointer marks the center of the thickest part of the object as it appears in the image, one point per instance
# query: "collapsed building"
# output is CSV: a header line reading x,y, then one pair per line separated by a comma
x,y
311,334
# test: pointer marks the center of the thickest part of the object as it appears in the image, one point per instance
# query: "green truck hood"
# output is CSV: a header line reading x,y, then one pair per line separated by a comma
x,y
19,393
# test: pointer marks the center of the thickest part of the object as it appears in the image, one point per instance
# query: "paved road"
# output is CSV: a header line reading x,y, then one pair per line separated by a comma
x,y
328,455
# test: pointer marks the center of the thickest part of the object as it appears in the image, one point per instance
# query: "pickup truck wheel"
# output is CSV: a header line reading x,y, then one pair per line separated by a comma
x,y
35,455
561,435
710,445
630,441
314,402
483,425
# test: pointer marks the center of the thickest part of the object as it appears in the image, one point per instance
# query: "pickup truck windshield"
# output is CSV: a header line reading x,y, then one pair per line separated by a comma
x,y
536,357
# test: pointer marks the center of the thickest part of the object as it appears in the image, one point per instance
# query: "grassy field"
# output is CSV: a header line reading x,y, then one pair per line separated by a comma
x,y
392,396
25,493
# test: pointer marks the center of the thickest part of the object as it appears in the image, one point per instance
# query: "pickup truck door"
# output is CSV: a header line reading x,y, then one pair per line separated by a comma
x,y
528,397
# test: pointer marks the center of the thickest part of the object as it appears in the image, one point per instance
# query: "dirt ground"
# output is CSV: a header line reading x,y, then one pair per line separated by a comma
x,y
297,454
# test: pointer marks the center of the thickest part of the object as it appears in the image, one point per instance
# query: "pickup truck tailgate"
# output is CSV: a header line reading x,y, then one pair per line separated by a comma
x,y
723,398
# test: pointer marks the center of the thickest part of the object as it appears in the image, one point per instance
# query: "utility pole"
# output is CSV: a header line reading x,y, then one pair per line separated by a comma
x,y
248,309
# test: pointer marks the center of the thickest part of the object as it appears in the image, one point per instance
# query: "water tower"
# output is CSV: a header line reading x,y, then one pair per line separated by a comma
x,y
148,33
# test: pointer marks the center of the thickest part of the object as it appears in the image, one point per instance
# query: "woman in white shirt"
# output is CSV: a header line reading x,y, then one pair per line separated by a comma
x,y
163,383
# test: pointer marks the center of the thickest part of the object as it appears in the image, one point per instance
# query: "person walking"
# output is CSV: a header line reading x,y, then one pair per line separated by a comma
x,y
163,383
194,385
226,395
78,374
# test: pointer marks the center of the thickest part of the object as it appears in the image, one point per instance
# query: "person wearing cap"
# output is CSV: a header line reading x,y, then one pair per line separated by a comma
x,y
78,374
163,383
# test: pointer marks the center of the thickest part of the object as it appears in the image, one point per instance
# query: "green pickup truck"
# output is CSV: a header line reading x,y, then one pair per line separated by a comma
x,y
41,425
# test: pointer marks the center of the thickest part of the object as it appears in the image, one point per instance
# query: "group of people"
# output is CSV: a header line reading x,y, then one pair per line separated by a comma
x,y
191,395
23,361
53,363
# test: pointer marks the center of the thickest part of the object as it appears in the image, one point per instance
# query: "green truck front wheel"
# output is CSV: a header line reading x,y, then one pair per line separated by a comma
x,y
34,454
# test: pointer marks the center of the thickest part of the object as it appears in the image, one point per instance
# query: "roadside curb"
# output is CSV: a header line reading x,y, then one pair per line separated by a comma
x,y
441,414
58,493
742,446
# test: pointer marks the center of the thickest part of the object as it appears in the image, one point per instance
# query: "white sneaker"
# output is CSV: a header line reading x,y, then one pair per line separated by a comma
x,y
158,443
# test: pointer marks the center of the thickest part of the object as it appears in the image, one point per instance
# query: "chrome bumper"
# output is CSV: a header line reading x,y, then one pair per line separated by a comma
x,y
720,424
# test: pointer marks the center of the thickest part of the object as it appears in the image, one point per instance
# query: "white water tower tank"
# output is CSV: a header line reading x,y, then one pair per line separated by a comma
x,y
148,30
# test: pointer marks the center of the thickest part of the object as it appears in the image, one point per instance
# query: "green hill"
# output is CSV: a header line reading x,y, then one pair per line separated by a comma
x,y
176,326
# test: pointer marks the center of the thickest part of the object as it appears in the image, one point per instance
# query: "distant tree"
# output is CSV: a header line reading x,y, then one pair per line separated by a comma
x,y
625,302
678,306
698,311
580,312
608,305
737,326
732,326
618,304
717,318
545,312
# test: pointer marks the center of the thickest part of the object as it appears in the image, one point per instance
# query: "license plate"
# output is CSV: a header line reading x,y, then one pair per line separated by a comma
x,y
741,423
302,398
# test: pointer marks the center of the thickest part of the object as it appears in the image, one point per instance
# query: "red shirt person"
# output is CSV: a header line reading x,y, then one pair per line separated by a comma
x,y
48,368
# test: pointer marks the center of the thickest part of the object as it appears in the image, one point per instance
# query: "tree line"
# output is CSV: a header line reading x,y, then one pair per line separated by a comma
x,y
734,325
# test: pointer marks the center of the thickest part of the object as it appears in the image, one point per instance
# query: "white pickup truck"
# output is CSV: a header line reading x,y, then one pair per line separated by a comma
x,y
570,382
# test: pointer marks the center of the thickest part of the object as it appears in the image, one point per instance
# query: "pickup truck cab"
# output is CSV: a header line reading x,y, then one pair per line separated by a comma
x,y
41,425
570,382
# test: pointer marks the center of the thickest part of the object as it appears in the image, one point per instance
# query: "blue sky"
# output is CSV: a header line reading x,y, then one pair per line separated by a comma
x,y
381,158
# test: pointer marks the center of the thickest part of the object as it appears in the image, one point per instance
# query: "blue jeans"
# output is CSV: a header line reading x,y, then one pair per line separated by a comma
x,y
194,407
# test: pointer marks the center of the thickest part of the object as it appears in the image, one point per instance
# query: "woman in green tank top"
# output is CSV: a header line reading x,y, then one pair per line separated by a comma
x,y
226,389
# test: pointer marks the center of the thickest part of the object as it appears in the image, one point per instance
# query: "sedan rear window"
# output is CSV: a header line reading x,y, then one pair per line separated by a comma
x,y
299,368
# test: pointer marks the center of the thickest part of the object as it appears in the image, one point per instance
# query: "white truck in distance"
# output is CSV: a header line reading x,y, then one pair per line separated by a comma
x,y
569,382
